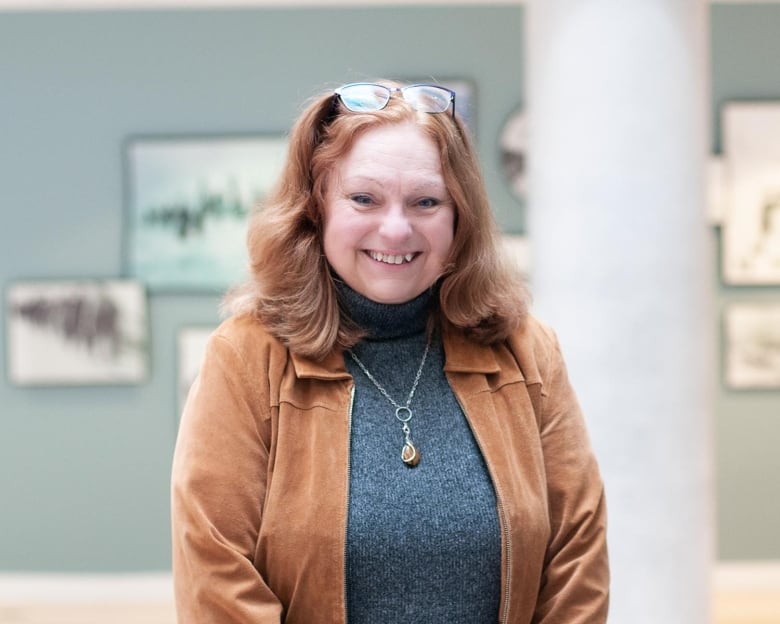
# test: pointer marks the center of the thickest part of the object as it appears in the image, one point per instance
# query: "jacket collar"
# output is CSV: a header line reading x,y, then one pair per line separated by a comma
x,y
332,367
462,355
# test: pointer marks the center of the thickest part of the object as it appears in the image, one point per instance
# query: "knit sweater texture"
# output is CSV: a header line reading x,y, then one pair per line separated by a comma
x,y
423,543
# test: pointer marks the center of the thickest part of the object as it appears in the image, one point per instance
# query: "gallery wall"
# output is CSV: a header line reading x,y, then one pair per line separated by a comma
x,y
745,55
84,469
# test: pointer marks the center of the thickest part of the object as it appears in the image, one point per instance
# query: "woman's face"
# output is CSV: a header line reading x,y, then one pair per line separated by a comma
x,y
388,217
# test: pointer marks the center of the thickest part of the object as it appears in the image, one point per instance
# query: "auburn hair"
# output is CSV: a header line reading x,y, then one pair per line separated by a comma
x,y
291,288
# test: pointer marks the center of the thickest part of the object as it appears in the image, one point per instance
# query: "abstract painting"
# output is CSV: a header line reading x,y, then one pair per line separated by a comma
x,y
77,332
751,228
753,345
192,347
188,200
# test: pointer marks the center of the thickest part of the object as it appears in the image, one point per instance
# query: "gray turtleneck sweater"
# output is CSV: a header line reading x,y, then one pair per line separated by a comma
x,y
423,543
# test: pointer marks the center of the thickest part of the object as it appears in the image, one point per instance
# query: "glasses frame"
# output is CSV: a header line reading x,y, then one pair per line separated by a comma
x,y
402,91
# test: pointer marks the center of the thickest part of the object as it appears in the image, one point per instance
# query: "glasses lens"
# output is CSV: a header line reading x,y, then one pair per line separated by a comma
x,y
363,97
428,98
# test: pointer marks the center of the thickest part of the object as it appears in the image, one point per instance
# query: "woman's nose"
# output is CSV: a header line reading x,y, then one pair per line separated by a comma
x,y
395,224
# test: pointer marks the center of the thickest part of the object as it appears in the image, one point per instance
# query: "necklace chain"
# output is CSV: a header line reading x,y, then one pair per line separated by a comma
x,y
410,455
382,390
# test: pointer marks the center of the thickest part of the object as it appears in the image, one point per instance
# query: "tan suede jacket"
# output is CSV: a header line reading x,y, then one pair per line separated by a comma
x,y
261,471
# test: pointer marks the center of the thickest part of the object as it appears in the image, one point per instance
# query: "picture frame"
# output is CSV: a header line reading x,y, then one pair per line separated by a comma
x,y
513,151
465,100
191,344
76,332
517,248
751,220
188,199
716,192
752,345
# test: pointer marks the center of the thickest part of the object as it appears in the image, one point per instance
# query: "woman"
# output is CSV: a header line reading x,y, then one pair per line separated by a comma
x,y
380,432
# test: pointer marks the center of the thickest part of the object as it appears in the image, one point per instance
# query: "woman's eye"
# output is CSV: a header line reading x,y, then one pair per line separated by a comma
x,y
361,199
428,202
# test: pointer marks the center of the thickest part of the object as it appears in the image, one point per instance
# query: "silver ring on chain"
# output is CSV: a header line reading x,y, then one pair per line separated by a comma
x,y
404,414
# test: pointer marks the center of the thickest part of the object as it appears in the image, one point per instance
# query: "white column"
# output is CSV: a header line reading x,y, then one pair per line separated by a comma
x,y
622,267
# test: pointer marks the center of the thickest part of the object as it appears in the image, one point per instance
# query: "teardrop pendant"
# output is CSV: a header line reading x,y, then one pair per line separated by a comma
x,y
410,455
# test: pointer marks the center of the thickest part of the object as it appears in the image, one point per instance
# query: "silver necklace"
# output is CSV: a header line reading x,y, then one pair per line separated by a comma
x,y
409,453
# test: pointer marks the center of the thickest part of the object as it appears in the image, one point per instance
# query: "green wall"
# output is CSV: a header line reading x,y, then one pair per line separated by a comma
x,y
84,470
745,61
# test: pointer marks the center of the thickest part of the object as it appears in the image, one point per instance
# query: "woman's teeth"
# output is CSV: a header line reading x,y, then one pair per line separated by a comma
x,y
380,257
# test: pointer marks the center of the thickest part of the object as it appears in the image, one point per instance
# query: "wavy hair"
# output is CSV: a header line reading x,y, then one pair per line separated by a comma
x,y
291,288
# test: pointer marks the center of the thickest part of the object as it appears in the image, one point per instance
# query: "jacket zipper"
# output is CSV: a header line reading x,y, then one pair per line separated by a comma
x,y
507,536
502,514
346,511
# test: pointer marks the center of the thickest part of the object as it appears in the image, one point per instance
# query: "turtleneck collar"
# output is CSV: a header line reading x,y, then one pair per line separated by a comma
x,y
385,320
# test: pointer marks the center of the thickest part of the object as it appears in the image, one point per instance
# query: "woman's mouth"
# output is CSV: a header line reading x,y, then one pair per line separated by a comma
x,y
392,258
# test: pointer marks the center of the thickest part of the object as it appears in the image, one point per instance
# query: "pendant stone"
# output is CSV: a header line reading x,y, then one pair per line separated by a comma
x,y
410,455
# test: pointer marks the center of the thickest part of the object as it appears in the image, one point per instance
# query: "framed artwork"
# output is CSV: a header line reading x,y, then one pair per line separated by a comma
x,y
716,192
751,226
465,101
77,332
513,144
752,335
517,249
191,345
188,200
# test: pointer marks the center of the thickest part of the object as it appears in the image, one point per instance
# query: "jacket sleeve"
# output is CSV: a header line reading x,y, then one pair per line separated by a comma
x,y
575,581
218,487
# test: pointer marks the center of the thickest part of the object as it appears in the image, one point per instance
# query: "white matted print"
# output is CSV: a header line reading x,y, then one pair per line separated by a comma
x,y
753,345
518,251
513,142
191,344
77,332
751,228
188,203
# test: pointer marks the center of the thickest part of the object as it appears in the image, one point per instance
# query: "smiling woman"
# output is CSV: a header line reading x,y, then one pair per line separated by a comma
x,y
381,396
388,219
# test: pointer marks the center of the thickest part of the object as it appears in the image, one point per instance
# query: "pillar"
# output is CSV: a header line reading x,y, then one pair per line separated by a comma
x,y
622,268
